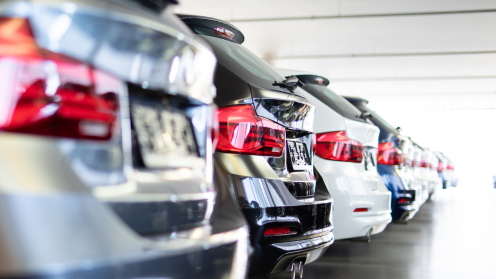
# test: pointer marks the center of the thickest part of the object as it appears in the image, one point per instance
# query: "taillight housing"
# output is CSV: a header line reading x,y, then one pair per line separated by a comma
x,y
387,154
338,147
440,166
424,164
242,131
45,93
450,167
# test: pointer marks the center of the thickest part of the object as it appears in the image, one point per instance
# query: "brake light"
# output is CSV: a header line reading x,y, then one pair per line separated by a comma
x,y
277,231
424,164
387,154
336,146
242,131
450,167
49,94
440,166
414,163
361,209
403,200
226,33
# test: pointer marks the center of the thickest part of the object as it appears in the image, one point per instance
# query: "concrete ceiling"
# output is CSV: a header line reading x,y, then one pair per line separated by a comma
x,y
432,59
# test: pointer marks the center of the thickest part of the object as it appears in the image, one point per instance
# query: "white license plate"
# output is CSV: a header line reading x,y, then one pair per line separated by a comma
x,y
163,134
298,155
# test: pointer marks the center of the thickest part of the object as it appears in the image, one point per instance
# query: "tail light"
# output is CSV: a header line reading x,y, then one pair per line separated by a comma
x,y
440,166
49,94
413,163
450,167
424,164
361,209
336,146
278,231
403,200
387,154
242,131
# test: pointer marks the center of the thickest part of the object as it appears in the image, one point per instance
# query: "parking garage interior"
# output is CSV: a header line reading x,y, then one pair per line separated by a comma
x,y
428,67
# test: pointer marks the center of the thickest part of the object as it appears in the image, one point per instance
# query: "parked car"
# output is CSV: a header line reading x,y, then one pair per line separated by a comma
x,y
390,163
264,153
346,159
450,171
417,172
442,170
428,169
106,150
407,171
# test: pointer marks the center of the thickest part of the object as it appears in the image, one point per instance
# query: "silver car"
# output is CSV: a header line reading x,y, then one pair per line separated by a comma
x,y
106,146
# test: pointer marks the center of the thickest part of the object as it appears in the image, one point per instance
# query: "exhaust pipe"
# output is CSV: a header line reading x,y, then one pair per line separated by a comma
x,y
293,271
300,269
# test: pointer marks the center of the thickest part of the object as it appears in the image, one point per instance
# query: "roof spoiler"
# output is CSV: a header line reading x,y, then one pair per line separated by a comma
x,y
213,27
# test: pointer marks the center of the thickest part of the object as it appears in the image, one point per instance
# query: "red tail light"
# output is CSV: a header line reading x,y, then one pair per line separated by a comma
x,y
277,231
336,146
414,163
450,167
424,164
242,131
440,166
361,209
403,200
48,94
387,154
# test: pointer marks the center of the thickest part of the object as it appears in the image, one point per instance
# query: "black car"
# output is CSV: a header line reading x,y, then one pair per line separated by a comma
x,y
265,154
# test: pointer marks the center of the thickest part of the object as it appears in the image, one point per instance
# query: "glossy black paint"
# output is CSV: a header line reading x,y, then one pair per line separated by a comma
x,y
299,198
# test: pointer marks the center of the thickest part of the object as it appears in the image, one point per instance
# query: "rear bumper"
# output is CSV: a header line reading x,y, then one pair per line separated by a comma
x,y
266,203
285,253
76,236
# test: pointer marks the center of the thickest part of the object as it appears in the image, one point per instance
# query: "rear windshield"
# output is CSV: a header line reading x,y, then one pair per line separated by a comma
x,y
245,64
334,101
386,128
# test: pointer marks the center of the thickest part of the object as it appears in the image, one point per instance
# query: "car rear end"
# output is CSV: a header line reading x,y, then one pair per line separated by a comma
x,y
346,158
418,172
407,170
390,164
264,154
88,128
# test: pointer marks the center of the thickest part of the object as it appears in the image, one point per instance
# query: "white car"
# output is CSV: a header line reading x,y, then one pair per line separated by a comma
x,y
409,173
428,171
346,149
418,172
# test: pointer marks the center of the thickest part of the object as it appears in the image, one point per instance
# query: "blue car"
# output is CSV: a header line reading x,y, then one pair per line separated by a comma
x,y
391,164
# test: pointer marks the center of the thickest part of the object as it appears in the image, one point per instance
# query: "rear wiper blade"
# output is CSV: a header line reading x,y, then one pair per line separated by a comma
x,y
290,83
365,115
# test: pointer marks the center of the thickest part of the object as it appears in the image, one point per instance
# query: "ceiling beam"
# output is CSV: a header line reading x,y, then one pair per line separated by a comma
x,y
364,15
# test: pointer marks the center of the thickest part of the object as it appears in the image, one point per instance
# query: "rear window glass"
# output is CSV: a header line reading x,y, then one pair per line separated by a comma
x,y
334,101
245,64
383,125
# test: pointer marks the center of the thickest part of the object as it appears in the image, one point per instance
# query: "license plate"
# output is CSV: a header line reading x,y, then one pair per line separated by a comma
x,y
369,160
163,133
298,155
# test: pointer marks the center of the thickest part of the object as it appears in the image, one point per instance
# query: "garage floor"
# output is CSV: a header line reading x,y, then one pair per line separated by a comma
x,y
452,236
